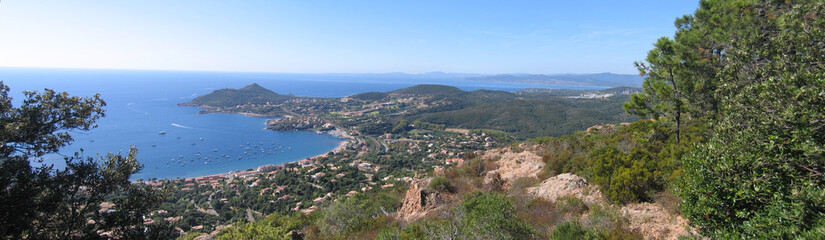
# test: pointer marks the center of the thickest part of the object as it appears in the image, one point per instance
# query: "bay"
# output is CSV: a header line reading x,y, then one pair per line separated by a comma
x,y
142,104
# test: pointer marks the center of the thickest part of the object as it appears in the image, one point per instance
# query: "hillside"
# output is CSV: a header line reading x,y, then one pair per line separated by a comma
x,y
547,188
252,94
529,118
600,79
522,115
428,89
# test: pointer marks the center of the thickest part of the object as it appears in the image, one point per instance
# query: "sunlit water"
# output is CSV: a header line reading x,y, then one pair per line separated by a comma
x,y
141,105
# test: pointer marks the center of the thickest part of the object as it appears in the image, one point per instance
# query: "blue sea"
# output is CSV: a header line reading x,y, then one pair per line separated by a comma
x,y
142,104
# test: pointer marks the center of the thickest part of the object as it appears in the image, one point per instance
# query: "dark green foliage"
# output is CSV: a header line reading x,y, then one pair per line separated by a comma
x,y
356,213
370,96
40,202
761,174
429,89
161,230
620,177
441,184
573,231
492,216
480,216
274,226
40,126
629,163
252,94
530,118
376,128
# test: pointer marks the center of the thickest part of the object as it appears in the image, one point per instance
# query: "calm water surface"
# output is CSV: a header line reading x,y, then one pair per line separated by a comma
x,y
142,104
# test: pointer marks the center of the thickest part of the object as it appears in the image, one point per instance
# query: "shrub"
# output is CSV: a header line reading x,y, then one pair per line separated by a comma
x,y
493,216
571,205
620,177
274,226
355,213
442,184
609,222
541,214
573,231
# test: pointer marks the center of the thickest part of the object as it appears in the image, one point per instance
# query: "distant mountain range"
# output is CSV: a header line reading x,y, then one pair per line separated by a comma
x,y
598,79
595,79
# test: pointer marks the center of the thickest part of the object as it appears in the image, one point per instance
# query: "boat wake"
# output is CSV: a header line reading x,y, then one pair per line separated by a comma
x,y
182,126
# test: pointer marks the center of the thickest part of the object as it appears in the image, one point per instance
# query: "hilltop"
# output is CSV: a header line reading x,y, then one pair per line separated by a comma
x,y
252,94
521,115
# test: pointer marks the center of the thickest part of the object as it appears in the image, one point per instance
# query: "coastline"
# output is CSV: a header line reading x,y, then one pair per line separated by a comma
x,y
341,146
243,173
261,169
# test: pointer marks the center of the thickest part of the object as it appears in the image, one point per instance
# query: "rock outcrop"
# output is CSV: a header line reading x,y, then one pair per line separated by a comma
x,y
420,201
512,166
567,184
648,219
654,222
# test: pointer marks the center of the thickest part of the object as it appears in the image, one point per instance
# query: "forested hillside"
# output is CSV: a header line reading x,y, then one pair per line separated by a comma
x,y
529,118
522,115
252,94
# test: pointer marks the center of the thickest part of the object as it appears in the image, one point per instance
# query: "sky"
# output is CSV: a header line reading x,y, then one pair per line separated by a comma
x,y
487,37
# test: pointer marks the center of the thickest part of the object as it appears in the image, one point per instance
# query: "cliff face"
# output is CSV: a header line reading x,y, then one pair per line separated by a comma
x,y
420,201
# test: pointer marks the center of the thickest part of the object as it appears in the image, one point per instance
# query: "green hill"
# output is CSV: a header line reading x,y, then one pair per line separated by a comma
x,y
428,89
529,118
227,97
370,96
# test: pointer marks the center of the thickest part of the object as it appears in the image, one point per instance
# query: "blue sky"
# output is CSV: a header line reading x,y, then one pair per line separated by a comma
x,y
336,36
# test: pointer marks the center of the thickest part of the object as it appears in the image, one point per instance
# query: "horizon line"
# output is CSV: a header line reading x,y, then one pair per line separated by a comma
x,y
307,73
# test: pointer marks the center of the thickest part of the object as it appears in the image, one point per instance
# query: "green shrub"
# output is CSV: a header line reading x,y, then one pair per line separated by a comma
x,y
573,231
358,212
621,178
442,184
493,216
274,226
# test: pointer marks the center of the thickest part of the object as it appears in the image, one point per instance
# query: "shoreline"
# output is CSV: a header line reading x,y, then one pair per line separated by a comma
x,y
341,146
341,134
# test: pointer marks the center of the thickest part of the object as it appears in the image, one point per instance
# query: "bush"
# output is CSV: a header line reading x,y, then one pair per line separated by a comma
x,y
493,216
621,178
442,184
609,222
480,216
274,226
355,213
571,205
573,231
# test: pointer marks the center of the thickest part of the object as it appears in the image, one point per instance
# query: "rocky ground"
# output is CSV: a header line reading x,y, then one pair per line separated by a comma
x,y
649,219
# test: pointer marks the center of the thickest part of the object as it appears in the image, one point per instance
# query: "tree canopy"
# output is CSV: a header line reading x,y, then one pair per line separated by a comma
x,y
754,70
38,201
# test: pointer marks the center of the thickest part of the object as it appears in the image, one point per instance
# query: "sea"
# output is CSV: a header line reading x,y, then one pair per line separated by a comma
x,y
176,142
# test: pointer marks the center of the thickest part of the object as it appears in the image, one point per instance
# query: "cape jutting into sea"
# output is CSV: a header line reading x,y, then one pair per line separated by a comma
x,y
175,141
